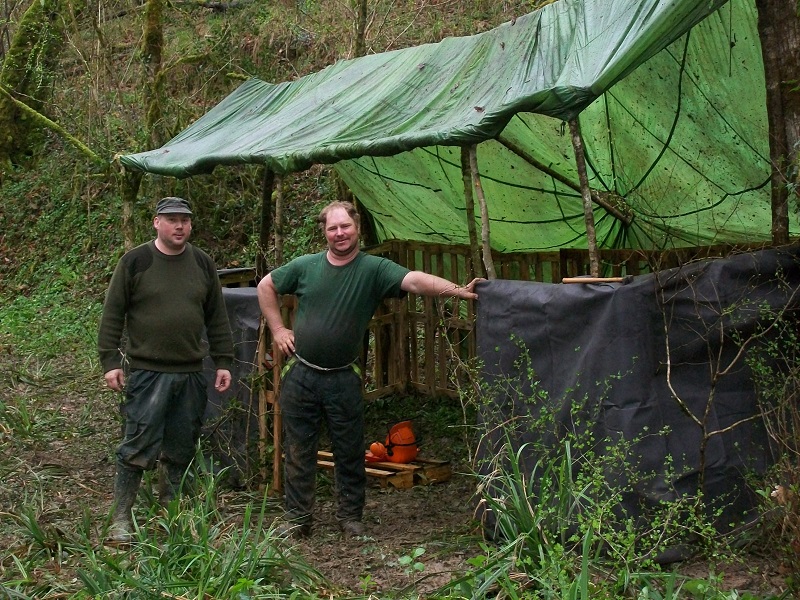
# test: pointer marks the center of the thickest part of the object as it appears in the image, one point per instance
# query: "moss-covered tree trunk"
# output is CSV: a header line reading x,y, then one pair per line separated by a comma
x,y
152,83
129,182
779,31
361,27
27,74
152,51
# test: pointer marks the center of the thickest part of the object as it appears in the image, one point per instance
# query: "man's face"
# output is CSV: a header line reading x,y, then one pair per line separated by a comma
x,y
341,232
173,230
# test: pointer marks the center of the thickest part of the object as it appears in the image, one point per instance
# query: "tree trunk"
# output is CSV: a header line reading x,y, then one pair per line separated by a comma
x,y
779,31
152,51
278,225
486,240
361,28
267,186
152,45
129,189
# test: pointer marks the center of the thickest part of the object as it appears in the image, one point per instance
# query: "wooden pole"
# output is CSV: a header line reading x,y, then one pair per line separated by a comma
x,y
476,182
279,220
277,423
588,215
263,399
469,204
268,181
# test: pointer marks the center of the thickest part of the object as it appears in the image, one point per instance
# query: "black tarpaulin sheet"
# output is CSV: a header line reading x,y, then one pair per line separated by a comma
x,y
231,418
606,348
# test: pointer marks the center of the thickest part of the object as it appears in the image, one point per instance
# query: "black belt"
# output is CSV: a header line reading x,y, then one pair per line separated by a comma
x,y
297,358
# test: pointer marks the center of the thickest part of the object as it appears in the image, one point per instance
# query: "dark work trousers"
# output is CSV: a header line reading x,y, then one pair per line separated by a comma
x,y
163,416
307,397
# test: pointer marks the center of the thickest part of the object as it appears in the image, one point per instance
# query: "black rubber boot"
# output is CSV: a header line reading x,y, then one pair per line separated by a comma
x,y
170,481
126,486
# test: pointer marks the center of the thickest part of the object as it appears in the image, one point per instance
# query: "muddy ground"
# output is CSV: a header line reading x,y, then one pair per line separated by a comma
x,y
57,443
61,464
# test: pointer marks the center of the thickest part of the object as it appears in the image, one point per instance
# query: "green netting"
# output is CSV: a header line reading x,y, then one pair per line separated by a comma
x,y
674,125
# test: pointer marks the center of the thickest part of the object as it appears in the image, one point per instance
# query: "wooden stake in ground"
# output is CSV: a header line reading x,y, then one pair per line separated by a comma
x,y
586,193
267,184
476,182
469,205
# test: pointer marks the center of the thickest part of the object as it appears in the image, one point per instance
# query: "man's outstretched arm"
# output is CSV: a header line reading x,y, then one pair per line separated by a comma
x,y
425,284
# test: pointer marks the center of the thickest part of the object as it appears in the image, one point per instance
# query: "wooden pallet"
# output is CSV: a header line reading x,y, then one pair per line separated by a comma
x,y
399,476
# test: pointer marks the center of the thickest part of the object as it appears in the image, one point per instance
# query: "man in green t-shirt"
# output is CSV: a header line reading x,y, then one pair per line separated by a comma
x,y
163,295
338,291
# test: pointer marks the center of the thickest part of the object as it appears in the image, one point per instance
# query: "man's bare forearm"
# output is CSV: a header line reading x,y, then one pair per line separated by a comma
x,y
425,284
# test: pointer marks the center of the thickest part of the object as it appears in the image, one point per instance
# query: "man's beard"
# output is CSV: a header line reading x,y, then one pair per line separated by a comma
x,y
334,250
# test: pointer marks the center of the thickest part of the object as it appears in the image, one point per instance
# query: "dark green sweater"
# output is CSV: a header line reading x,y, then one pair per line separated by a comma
x,y
164,303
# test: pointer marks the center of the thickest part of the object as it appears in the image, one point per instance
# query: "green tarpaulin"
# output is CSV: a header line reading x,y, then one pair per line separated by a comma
x,y
671,99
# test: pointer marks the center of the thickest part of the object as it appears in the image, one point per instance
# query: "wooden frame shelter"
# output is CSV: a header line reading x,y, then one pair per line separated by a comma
x,y
418,344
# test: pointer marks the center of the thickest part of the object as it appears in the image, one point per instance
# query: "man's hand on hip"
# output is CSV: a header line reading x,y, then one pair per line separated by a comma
x,y
284,340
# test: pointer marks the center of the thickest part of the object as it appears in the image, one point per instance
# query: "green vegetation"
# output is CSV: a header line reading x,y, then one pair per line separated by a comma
x,y
774,361
192,548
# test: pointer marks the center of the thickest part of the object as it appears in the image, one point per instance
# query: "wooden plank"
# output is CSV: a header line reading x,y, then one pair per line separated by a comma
x,y
265,398
400,476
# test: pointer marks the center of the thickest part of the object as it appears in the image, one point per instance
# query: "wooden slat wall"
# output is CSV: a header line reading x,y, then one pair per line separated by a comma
x,y
430,332
427,338
619,263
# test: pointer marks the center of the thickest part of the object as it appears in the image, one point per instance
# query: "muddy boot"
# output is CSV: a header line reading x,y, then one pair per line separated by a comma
x,y
126,486
170,478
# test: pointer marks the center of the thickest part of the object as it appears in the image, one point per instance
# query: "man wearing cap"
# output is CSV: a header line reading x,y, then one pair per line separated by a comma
x,y
164,295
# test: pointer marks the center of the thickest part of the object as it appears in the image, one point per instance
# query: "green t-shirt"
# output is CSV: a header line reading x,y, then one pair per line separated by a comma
x,y
335,304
